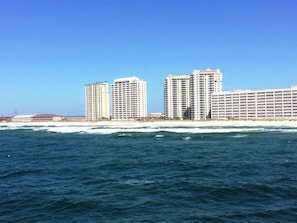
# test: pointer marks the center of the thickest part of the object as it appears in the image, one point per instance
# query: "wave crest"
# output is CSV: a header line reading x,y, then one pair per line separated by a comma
x,y
92,129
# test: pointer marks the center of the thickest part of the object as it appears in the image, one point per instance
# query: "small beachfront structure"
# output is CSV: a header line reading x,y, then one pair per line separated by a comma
x,y
36,118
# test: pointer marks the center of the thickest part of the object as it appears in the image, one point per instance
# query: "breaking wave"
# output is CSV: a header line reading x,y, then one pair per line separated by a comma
x,y
124,131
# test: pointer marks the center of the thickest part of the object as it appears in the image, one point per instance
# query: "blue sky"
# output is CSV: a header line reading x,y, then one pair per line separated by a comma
x,y
49,49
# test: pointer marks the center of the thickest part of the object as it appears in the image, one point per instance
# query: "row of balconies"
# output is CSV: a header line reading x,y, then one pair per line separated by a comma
x,y
254,111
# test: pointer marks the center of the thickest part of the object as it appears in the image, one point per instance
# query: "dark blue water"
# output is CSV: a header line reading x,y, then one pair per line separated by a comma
x,y
171,175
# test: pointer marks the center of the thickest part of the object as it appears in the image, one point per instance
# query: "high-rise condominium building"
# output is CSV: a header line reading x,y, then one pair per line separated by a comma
x,y
129,99
202,84
177,97
97,101
261,104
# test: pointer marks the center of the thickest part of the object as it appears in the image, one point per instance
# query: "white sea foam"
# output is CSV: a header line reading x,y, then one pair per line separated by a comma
x,y
159,136
67,129
111,127
239,136
281,130
124,135
210,130
128,131
39,128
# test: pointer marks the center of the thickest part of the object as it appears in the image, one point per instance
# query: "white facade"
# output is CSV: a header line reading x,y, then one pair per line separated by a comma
x,y
129,99
97,101
177,97
23,118
262,104
202,84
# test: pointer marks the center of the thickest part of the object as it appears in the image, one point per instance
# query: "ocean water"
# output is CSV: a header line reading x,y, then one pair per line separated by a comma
x,y
113,174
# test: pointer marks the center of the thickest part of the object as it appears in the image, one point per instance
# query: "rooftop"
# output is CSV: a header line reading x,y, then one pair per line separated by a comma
x,y
171,76
127,79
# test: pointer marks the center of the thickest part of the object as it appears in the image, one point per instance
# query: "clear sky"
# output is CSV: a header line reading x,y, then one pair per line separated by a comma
x,y
49,49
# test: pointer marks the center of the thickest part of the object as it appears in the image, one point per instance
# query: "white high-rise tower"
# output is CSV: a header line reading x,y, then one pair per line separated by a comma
x,y
177,97
129,99
202,84
97,101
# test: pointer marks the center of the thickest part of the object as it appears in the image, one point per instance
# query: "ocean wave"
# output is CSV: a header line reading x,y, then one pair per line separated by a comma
x,y
91,129
210,178
66,129
187,138
122,131
288,130
159,136
239,136
136,182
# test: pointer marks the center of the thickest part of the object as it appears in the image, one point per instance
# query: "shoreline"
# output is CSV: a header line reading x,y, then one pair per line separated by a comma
x,y
165,123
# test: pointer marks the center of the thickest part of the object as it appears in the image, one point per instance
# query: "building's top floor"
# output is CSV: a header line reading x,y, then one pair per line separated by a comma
x,y
171,76
98,83
207,71
237,91
127,79
197,72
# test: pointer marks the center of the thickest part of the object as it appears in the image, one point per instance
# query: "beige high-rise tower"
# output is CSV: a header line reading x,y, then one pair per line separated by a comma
x,y
129,99
97,101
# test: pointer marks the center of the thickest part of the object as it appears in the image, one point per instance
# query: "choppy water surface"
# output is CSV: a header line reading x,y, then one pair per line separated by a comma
x,y
97,174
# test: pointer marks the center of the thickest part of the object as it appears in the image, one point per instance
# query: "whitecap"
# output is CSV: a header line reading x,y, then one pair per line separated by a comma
x,y
124,135
282,130
239,136
159,136
136,182
40,128
103,131
68,129
210,130
3,128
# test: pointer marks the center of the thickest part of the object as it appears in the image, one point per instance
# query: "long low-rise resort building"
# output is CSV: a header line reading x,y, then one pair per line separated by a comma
x,y
255,105
37,118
